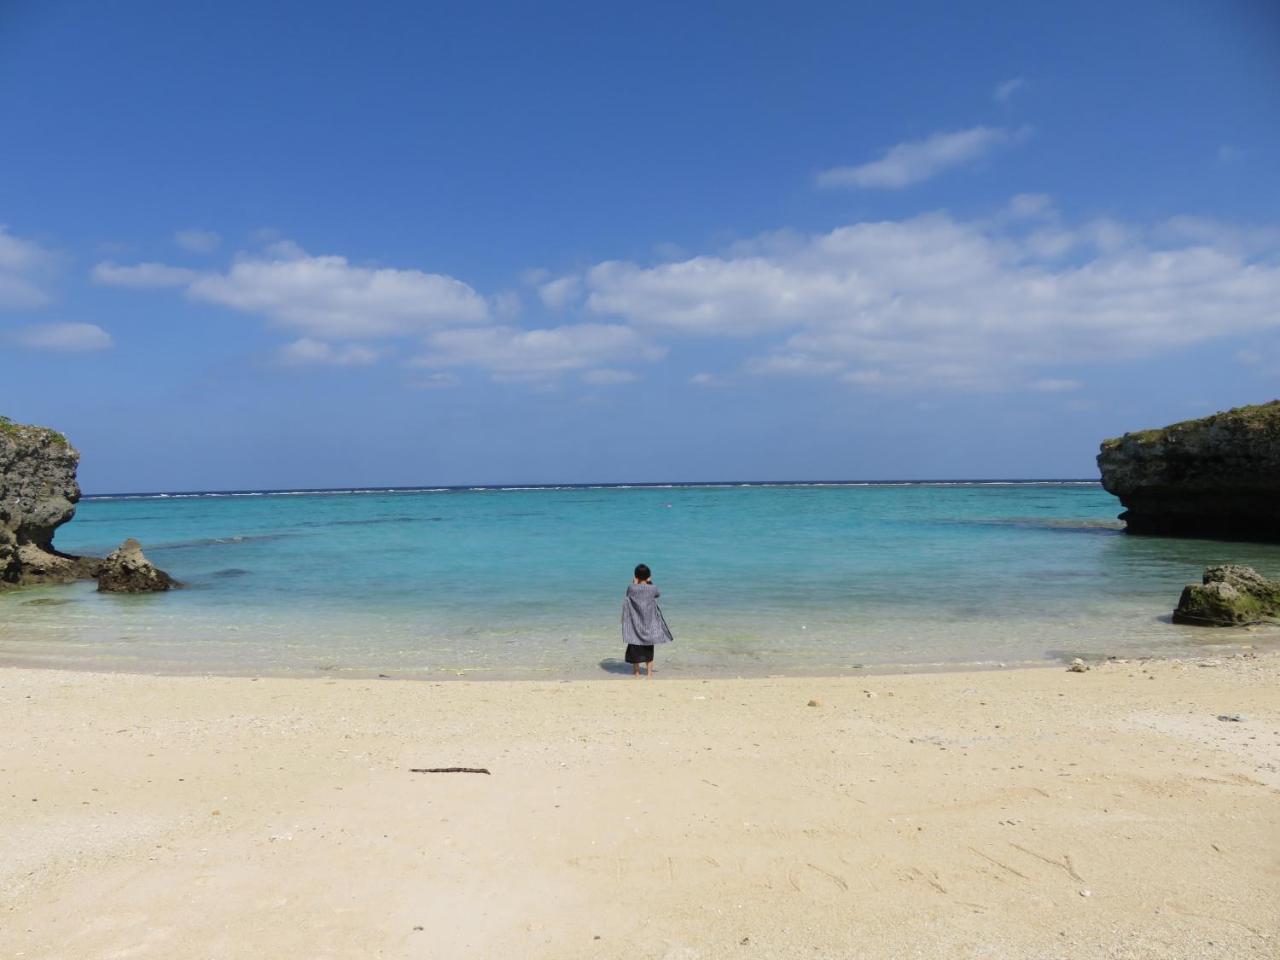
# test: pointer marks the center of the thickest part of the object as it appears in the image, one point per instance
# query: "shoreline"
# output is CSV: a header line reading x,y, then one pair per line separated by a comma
x,y
1023,813
615,669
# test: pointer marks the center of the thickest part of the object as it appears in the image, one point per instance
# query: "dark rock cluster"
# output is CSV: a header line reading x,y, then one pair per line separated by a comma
x,y
127,570
38,493
1214,477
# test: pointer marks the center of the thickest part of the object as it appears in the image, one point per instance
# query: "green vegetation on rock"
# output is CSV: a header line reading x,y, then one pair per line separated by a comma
x,y
1257,417
1229,596
20,431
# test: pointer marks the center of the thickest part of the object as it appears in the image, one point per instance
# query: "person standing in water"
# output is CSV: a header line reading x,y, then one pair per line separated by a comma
x,y
643,625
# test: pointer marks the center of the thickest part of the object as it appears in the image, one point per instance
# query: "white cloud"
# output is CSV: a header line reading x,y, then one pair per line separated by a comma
x,y
737,297
918,160
1031,206
506,304
197,241
1007,88
513,354
142,276
322,297
309,351
24,264
63,336
558,293
936,301
607,377
328,297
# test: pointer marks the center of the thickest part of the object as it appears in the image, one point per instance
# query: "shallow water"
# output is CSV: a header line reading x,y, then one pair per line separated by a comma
x,y
528,582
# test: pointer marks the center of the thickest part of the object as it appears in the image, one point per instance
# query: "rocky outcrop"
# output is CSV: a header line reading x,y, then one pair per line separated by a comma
x,y
1216,477
127,570
1230,596
38,493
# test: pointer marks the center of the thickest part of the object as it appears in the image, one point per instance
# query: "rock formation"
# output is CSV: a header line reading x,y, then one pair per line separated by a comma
x,y
1215,477
38,493
127,570
1230,596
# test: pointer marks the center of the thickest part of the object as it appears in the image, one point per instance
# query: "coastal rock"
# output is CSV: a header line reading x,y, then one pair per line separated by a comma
x,y
1229,596
127,570
38,493
1214,477
1078,666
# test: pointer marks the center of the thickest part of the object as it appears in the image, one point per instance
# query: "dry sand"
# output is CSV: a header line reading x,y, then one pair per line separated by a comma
x,y
1033,813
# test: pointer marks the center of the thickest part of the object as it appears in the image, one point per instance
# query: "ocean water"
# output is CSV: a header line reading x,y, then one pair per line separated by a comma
x,y
756,580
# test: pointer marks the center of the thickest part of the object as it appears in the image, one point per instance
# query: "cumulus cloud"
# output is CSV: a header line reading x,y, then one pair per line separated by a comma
x,y
329,297
919,160
558,293
933,300
1005,89
309,351
196,240
24,265
142,276
1031,206
63,336
321,297
514,354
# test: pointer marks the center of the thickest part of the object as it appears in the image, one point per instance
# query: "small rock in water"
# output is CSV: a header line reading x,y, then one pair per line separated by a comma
x,y
127,570
1232,717
1078,666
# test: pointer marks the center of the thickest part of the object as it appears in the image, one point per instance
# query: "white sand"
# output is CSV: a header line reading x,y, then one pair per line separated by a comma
x,y
1031,813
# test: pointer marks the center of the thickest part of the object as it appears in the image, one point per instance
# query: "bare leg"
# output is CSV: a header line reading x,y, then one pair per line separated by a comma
x,y
635,669
648,670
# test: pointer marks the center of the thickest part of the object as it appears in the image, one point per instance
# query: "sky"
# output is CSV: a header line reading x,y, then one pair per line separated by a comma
x,y
276,245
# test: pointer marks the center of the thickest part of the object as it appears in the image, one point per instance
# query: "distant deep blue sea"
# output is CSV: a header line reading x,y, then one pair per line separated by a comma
x,y
756,579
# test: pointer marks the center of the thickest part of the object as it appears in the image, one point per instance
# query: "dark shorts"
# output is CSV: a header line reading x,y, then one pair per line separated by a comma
x,y
639,653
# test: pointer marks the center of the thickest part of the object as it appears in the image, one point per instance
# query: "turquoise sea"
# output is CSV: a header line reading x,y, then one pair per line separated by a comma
x,y
521,582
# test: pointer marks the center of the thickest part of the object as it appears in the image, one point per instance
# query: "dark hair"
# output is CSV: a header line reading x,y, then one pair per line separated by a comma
x,y
643,572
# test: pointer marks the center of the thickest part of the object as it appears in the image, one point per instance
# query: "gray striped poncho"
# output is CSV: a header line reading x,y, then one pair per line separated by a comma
x,y
642,621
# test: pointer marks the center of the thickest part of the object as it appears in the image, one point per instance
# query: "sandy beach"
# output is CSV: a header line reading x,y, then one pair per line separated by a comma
x,y
1032,813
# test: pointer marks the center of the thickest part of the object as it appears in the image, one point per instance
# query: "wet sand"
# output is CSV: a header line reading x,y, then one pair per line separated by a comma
x,y
1029,813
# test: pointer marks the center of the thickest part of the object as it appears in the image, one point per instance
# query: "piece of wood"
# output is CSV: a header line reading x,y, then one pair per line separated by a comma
x,y
449,770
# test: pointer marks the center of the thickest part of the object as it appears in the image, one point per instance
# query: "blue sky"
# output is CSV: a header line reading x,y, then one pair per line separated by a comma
x,y
288,244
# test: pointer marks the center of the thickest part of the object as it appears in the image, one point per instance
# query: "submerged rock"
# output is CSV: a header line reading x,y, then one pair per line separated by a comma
x,y
38,493
1214,477
1229,596
127,570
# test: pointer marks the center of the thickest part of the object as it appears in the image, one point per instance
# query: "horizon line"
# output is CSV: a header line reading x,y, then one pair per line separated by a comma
x,y
649,484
